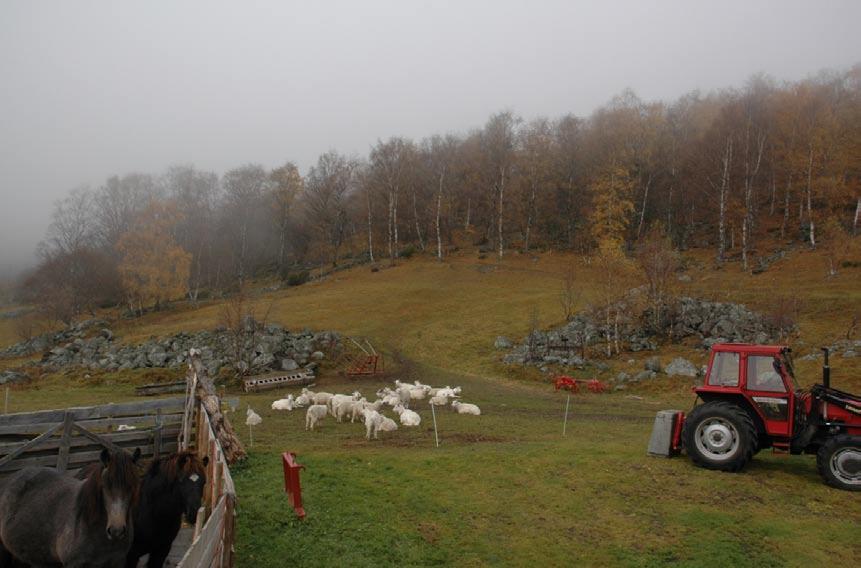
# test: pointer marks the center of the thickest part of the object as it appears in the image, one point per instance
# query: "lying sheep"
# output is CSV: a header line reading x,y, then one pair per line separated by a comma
x,y
418,393
386,424
314,414
463,408
438,400
446,391
408,417
302,400
284,403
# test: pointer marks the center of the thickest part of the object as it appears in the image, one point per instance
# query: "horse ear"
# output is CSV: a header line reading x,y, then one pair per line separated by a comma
x,y
136,456
205,461
105,457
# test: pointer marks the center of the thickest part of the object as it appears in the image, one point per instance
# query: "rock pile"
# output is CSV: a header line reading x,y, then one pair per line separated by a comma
x,y
710,322
45,341
259,348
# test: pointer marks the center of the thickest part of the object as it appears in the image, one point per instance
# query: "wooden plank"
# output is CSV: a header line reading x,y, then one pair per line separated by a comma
x,y
228,536
92,412
31,444
140,434
77,458
161,388
96,438
65,443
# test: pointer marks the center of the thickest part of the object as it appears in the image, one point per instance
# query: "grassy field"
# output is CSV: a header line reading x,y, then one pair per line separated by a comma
x,y
506,488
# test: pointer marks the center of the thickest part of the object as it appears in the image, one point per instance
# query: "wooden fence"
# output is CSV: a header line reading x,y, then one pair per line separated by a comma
x,y
74,437
214,531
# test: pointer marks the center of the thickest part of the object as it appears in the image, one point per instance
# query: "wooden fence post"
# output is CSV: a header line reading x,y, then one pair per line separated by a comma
x,y
65,442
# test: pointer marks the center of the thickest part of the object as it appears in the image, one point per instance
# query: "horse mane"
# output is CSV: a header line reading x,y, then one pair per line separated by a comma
x,y
174,466
120,472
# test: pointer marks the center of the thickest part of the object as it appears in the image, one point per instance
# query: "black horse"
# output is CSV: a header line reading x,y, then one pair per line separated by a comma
x,y
171,487
48,518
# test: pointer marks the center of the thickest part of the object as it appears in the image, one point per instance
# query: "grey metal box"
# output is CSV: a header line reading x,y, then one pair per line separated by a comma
x,y
661,441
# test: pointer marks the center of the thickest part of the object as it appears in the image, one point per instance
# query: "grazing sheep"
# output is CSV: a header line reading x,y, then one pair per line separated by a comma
x,y
336,400
408,417
463,408
284,403
314,414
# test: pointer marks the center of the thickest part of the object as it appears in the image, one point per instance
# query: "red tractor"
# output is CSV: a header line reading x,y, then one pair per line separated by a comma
x,y
750,401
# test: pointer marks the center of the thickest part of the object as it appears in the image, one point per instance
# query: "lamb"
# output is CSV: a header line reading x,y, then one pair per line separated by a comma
x,y
284,403
314,414
463,408
408,417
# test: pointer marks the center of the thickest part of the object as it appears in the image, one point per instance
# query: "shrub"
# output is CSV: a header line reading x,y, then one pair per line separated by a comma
x,y
298,278
407,251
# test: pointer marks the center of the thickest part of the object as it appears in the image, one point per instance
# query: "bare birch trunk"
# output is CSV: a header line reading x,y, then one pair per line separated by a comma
x,y
810,197
438,213
499,227
418,226
370,229
786,206
643,208
727,158
468,211
529,215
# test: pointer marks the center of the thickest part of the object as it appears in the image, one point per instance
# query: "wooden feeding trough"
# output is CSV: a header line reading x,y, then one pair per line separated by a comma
x,y
276,380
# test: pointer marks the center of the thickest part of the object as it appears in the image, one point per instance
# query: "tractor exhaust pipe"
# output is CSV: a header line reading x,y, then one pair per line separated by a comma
x,y
826,369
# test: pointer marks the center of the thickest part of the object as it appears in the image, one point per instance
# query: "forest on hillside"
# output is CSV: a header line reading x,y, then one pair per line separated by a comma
x,y
739,171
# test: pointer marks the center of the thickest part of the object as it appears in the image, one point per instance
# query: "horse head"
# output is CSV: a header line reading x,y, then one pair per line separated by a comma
x,y
190,475
118,489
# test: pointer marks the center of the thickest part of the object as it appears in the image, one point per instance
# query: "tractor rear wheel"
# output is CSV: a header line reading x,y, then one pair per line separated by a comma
x,y
720,435
839,462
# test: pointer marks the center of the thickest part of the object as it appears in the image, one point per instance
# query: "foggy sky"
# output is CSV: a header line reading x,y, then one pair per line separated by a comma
x,y
92,89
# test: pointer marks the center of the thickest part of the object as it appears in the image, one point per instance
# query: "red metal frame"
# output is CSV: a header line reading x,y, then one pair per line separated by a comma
x,y
291,482
366,365
570,383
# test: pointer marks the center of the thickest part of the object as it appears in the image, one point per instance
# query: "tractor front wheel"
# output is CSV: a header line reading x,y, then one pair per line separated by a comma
x,y
839,462
720,435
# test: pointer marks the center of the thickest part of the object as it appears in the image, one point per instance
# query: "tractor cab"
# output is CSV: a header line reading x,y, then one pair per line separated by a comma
x,y
760,376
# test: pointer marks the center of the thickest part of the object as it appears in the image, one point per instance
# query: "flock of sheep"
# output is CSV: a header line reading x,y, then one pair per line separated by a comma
x,y
353,406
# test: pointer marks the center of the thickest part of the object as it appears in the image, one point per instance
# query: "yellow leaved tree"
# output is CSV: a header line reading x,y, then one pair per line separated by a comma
x,y
611,206
154,268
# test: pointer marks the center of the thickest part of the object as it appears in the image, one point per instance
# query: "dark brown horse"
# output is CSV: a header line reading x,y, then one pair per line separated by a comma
x,y
48,518
171,487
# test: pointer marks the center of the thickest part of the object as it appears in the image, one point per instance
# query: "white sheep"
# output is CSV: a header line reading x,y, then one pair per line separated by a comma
x,y
361,405
446,391
404,395
463,408
408,417
302,400
418,393
386,424
372,420
126,428
284,403
336,400
320,397
252,418
314,414
438,400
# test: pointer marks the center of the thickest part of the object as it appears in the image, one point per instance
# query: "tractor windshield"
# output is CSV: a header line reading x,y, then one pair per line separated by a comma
x,y
786,361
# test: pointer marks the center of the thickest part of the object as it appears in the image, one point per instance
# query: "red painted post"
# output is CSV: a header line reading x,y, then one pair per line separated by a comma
x,y
291,482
